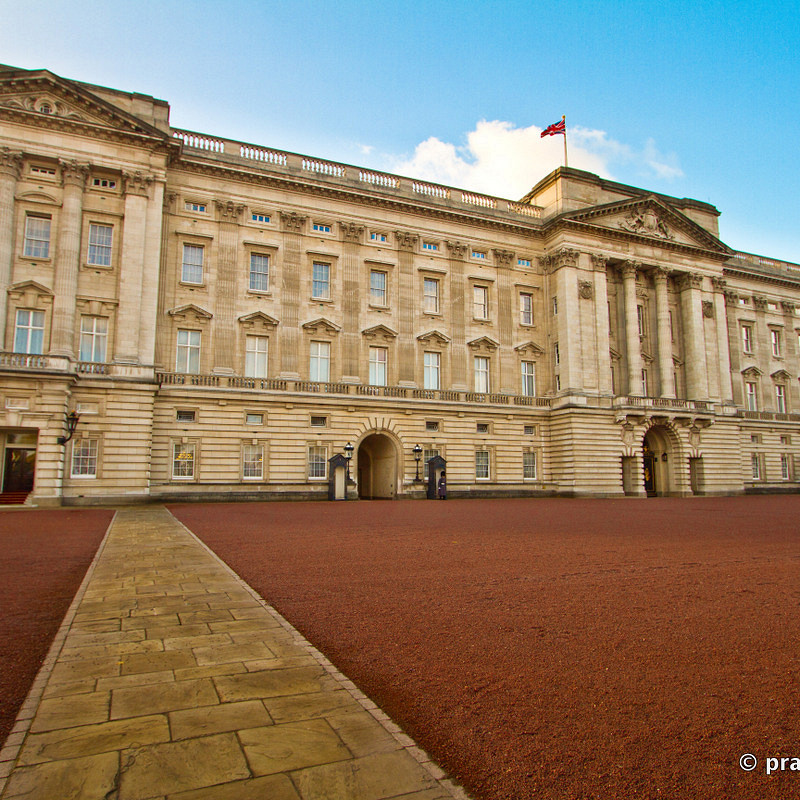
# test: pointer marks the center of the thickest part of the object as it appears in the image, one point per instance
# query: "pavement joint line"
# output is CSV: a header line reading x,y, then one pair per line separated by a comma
x,y
413,749
27,711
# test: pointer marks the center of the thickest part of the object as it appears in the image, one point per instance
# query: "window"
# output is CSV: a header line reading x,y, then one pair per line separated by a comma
x,y
526,308
528,379
555,306
751,395
320,362
640,320
255,364
431,370
378,357
104,183
252,418
755,438
192,268
184,415
430,295
556,354
558,383
482,427
252,461
189,206
29,332
747,339
377,287
427,455
786,439
780,399
480,302
523,262
478,254
187,358
775,340
755,466
321,227
321,281
43,170
260,217
481,374
430,246
529,465
317,461
432,425
645,393
94,333
671,327
37,237
319,422
259,272
84,458
100,237
482,465
377,237
785,469
529,430
183,458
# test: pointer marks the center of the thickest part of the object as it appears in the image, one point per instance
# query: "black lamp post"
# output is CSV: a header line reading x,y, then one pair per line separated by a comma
x,y
417,455
72,423
348,454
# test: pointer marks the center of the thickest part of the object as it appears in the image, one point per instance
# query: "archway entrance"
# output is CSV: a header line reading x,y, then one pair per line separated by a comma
x,y
656,457
377,467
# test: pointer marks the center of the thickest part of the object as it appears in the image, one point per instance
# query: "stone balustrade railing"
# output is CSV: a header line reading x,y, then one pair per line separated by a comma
x,y
672,403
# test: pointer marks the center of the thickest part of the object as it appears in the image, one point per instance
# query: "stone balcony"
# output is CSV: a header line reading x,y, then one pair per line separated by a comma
x,y
655,405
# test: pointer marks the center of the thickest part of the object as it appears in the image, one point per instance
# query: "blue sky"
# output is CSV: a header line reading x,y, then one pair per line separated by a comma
x,y
692,99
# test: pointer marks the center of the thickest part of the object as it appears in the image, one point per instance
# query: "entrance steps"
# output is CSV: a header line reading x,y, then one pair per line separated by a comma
x,y
13,498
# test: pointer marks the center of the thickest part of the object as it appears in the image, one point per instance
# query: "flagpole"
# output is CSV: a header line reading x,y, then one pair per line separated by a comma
x,y
564,120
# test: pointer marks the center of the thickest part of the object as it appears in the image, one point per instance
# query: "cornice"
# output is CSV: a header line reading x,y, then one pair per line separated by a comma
x,y
775,280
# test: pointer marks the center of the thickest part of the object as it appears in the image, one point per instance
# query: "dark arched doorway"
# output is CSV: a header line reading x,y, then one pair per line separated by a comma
x,y
657,456
377,467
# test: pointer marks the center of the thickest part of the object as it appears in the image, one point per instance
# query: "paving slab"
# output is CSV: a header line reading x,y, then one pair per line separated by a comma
x,y
172,680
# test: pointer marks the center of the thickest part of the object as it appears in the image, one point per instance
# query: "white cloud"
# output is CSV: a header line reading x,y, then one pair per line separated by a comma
x,y
500,159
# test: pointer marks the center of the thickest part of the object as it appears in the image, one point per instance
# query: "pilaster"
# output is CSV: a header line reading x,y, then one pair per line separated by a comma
x,y
665,366
694,336
293,226
507,378
600,267
457,252
229,215
723,344
406,345
632,341
352,236
10,170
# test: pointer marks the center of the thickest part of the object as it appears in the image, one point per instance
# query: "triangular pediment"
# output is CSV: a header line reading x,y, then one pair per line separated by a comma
x,y
321,325
190,310
649,217
529,349
752,372
259,319
29,286
379,332
433,337
780,375
483,343
615,354
47,100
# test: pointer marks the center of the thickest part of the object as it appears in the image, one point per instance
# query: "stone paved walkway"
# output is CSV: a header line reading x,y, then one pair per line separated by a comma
x,y
175,682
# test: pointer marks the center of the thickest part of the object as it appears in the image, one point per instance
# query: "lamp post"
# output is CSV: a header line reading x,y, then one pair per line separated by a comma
x,y
348,454
72,423
417,455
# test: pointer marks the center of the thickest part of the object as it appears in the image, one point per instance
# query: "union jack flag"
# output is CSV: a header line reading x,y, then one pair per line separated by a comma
x,y
555,128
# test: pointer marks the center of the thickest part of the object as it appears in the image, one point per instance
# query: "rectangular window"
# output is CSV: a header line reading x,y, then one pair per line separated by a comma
x,y
747,339
321,281
319,422
431,370
187,357
84,458
482,427
526,308
432,425
377,237
29,332
252,462
523,262
94,334
786,439
529,465
755,465
104,183
377,287
775,339
260,217
317,461
481,364
556,354
253,418
529,430
184,415
37,237
183,458
780,399
752,396
479,254
480,302
192,267
644,383
755,438
200,207
482,465
320,362
321,227
255,365
430,295
43,170
555,306
259,272
558,383
100,238
430,246
427,455
785,469
378,357
528,379
671,327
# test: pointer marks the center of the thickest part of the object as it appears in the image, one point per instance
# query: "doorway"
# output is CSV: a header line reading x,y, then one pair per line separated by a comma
x,y
19,468
377,467
657,455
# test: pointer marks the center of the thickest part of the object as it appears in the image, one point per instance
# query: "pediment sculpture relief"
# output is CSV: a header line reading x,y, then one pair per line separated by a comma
x,y
646,222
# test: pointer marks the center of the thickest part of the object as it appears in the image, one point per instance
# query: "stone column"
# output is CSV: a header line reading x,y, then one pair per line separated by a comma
x,y
151,275
565,262
723,346
790,353
600,266
137,189
351,301
406,346
632,341
665,366
68,252
507,368
293,225
694,336
10,168
458,320
734,339
229,215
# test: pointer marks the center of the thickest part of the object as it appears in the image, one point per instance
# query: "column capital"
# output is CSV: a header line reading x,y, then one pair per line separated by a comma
x,y
719,284
228,211
351,232
565,257
629,268
406,240
292,222
689,280
503,258
11,162
457,250
787,307
137,183
731,297
599,262
74,174
760,302
661,275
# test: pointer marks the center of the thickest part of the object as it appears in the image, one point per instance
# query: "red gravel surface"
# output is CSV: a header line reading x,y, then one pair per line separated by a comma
x,y
45,555
552,648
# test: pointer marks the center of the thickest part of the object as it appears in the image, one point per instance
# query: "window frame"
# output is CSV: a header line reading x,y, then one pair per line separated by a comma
x,y
256,257
37,246
378,367
379,296
189,348
319,281
320,358
431,370
528,378
526,298
260,461
188,267
431,300
89,459
481,374
319,459
479,467
94,248
529,454
188,447
96,337
747,339
30,328
253,356
478,290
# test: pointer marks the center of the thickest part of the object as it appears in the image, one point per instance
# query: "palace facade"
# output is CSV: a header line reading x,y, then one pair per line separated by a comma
x,y
225,318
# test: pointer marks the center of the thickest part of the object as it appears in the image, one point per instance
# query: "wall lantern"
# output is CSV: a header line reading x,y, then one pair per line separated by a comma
x,y
663,456
417,456
72,423
348,454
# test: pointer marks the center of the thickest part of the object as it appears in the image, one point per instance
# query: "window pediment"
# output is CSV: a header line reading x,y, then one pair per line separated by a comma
x,y
752,372
529,349
780,376
258,320
484,344
321,325
26,287
379,333
433,337
190,310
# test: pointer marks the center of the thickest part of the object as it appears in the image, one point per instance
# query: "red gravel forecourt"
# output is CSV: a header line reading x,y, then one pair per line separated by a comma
x,y
552,648
45,555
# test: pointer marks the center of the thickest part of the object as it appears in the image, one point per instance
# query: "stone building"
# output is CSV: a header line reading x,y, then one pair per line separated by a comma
x,y
224,318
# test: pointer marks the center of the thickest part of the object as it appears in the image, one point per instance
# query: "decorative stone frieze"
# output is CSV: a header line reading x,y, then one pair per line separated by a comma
x,y
321,325
381,333
483,345
689,280
629,268
645,221
258,321
719,284
433,337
